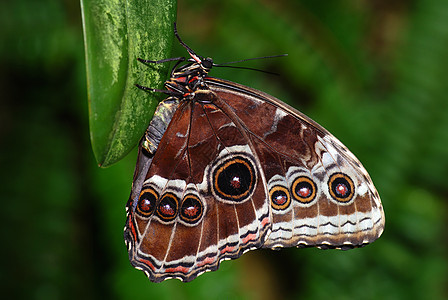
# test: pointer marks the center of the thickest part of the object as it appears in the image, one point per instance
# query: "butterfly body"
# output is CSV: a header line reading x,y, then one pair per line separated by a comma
x,y
231,169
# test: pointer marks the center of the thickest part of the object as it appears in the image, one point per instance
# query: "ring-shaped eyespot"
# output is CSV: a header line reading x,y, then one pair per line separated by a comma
x,y
168,207
280,199
341,187
191,209
234,180
304,189
147,202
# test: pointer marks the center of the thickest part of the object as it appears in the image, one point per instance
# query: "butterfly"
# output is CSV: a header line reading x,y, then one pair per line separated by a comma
x,y
223,169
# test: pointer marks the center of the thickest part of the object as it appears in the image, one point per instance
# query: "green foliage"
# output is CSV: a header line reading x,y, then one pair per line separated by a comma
x,y
116,33
372,72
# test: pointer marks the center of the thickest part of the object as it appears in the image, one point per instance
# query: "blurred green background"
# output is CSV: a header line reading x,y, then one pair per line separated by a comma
x,y
375,73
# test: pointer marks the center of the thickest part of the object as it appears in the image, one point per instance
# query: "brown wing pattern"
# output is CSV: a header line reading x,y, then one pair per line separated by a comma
x,y
319,193
236,170
202,199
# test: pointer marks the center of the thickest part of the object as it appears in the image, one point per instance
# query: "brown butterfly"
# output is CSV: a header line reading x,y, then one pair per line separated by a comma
x,y
224,169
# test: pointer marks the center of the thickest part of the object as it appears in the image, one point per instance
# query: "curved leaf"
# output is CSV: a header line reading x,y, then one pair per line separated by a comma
x,y
116,33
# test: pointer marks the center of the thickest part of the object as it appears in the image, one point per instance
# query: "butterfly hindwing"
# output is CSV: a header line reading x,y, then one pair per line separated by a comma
x,y
204,197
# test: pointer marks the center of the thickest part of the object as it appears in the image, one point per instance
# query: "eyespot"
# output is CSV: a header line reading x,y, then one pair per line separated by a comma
x,y
147,202
279,196
234,179
168,206
191,209
304,189
341,187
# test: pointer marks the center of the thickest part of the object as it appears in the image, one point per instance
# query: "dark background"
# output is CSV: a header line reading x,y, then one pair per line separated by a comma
x,y
372,72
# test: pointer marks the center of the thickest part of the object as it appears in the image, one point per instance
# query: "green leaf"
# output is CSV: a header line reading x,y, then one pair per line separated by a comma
x,y
116,33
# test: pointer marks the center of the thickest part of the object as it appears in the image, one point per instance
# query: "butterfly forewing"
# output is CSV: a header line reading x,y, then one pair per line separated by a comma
x,y
319,193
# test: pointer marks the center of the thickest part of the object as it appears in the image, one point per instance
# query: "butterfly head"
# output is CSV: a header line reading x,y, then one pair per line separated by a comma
x,y
202,64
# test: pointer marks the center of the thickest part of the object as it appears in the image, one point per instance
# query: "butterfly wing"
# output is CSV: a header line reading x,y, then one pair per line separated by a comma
x,y
238,169
200,200
318,191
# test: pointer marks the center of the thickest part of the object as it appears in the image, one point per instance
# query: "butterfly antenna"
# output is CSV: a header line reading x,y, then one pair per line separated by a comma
x,y
226,65
196,57
247,59
247,68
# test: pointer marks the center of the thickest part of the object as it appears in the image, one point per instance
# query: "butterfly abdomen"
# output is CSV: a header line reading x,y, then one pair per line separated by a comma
x,y
159,123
